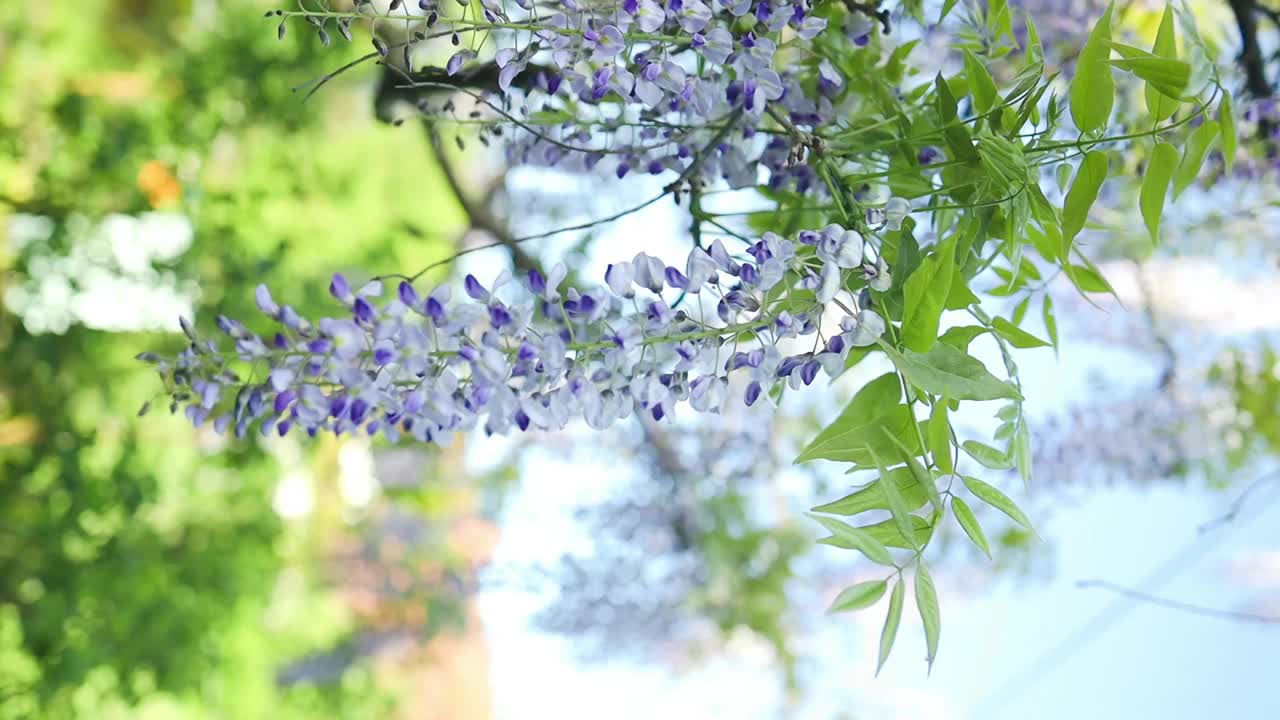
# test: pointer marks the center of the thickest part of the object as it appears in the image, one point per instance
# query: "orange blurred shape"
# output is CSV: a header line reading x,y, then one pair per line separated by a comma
x,y
161,187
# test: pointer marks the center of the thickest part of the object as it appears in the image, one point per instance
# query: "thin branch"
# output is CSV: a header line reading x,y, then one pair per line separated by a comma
x,y
670,189
1238,504
478,214
1140,596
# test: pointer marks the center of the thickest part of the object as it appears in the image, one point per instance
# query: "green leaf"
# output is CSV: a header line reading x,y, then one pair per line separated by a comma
x,y
1084,190
1162,106
960,296
944,100
892,620
872,497
1088,279
886,532
947,5
1035,50
860,417
854,538
927,604
857,597
986,455
1050,322
998,500
939,437
1020,312
854,443
1226,117
947,371
1063,175
981,86
918,471
1093,90
1022,450
898,507
924,296
1155,186
961,336
970,525
1016,336
1167,76
1193,156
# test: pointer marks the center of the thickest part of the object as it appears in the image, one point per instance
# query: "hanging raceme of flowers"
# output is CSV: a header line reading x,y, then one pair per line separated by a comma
x,y
888,195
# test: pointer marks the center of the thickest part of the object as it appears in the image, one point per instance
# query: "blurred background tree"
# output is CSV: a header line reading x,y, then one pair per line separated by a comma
x,y
154,161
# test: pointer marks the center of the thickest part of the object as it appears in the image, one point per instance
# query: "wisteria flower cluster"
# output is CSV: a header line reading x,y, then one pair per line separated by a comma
x,y
503,358
643,86
798,100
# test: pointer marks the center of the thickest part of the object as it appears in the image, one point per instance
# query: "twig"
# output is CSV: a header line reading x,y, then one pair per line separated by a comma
x,y
670,189
1238,504
478,215
1235,615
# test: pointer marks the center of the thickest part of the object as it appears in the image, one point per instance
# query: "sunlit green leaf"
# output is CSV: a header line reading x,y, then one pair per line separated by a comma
x,y
1155,186
897,506
981,87
1193,156
970,525
886,532
1015,335
892,620
1162,106
961,336
1084,191
947,371
918,471
872,497
930,615
944,101
1022,450
857,597
1050,321
876,404
1089,280
998,500
1093,89
855,539
1167,76
986,455
925,295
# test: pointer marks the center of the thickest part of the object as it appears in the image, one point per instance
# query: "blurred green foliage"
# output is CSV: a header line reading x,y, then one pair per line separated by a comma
x,y
139,560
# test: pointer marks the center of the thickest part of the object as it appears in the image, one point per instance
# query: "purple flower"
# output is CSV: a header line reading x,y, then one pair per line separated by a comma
x,y
364,312
339,288
408,295
608,44
267,305
474,289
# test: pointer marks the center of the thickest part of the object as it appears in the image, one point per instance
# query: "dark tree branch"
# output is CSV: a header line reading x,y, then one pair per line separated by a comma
x,y
478,213
871,10
397,85
1251,59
